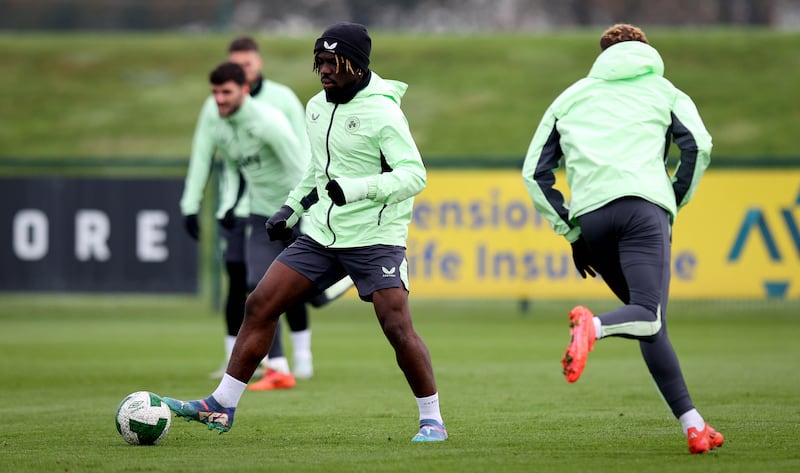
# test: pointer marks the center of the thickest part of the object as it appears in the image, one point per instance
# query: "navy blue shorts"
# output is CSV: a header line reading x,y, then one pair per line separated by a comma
x,y
371,268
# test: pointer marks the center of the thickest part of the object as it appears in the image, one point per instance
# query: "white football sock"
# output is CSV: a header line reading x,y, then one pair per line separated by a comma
x,y
429,408
691,419
229,391
301,343
230,340
280,364
598,325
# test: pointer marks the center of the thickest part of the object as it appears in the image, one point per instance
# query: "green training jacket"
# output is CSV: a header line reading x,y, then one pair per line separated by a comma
x,y
613,130
203,150
367,137
258,143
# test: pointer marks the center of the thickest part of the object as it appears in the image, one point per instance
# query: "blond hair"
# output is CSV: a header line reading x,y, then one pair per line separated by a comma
x,y
619,33
341,61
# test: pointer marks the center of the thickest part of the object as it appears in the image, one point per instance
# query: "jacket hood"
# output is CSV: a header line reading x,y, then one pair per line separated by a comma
x,y
390,88
627,60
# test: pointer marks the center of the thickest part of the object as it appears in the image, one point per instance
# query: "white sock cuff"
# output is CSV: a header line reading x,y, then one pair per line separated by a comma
x,y
598,327
229,391
429,408
280,364
690,419
230,341
301,342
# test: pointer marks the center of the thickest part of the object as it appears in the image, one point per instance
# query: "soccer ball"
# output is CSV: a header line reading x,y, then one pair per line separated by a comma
x,y
143,418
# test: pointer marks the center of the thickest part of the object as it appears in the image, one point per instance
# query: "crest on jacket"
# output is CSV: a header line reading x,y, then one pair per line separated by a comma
x,y
352,124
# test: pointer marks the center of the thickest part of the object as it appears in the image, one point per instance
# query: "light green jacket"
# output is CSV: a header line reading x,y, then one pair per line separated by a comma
x,y
257,143
203,149
367,137
613,130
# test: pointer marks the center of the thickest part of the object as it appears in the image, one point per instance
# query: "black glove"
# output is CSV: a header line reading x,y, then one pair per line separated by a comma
x,y
345,190
228,221
192,225
580,256
335,192
278,227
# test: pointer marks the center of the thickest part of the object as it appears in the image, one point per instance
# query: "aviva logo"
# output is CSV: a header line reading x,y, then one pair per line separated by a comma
x,y
754,226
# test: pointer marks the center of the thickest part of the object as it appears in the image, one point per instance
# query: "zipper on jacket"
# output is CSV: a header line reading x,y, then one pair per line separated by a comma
x,y
327,170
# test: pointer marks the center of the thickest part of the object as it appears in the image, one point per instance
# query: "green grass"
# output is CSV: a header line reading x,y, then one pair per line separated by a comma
x,y
137,95
67,361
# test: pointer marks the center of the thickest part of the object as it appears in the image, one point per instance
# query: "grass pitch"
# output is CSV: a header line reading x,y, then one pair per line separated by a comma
x,y
67,361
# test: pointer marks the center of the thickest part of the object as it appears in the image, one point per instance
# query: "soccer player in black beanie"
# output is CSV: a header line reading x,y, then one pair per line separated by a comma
x,y
351,46
357,195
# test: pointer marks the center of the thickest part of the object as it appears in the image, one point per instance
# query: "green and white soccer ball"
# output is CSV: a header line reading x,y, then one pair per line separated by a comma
x,y
143,418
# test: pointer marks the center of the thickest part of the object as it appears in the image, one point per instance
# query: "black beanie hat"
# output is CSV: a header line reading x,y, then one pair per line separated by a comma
x,y
350,40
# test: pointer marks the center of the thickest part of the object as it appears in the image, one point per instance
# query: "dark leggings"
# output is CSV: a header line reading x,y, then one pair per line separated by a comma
x,y
630,243
297,316
260,253
237,294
